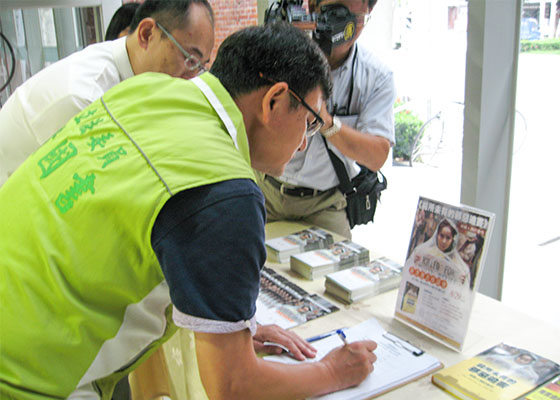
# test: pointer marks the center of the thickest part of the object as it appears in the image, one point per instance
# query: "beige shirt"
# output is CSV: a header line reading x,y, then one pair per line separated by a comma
x,y
46,101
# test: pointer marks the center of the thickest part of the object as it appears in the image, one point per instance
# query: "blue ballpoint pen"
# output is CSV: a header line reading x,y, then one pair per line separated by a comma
x,y
323,335
341,335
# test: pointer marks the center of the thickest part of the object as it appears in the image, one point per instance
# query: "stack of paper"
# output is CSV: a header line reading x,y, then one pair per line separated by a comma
x,y
398,361
364,281
279,249
339,256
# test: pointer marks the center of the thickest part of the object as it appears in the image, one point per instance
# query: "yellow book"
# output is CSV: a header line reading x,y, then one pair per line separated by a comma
x,y
502,372
547,391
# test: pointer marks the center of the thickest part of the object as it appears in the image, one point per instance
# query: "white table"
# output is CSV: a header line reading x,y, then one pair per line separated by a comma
x,y
491,322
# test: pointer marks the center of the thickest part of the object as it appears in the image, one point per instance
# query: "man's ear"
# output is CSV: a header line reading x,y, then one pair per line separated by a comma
x,y
271,100
145,31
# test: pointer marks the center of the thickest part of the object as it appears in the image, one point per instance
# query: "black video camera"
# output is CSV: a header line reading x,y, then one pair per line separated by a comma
x,y
333,26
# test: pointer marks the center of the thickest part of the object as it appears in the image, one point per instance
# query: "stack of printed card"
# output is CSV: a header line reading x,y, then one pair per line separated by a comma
x,y
286,304
280,249
317,263
363,281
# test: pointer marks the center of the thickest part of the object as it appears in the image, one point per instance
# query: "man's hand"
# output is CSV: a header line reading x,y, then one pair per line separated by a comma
x,y
230,369
367,149
298,347
351,363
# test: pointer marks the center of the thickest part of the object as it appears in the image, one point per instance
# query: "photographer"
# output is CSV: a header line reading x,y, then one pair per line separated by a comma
x,y
359,128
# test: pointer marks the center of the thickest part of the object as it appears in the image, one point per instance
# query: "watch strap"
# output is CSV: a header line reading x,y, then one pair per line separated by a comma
x,y
333,130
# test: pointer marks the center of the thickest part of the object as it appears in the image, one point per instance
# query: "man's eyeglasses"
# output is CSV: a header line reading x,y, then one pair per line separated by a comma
x,y
191,62
312,127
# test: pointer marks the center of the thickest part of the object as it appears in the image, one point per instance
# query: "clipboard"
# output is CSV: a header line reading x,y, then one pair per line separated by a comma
x,y
398,361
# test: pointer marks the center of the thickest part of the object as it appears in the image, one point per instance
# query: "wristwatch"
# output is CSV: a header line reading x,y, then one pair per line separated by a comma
x,y
333,130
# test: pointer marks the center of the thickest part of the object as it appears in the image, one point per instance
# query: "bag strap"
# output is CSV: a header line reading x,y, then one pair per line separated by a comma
x,y
351,91
345,185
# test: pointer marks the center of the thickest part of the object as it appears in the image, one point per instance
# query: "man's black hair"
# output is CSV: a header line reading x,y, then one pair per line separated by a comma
x,y
371,3
170,13
278,51
121,20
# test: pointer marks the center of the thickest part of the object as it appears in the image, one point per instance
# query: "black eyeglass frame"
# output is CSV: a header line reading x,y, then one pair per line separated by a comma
x,y
314,128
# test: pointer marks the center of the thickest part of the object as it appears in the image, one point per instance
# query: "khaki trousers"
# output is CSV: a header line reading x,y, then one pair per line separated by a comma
x,y
326,210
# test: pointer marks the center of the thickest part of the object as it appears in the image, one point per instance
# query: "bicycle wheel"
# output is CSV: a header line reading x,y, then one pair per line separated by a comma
x,y
427,141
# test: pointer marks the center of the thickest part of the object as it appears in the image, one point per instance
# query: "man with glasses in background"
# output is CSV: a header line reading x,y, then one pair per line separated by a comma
x,y
358,127
174,37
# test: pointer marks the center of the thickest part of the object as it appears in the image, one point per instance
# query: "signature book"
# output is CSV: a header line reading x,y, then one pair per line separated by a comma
x,y
398,361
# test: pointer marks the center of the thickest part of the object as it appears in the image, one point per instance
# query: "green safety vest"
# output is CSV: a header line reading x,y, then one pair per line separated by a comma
x,y
82,293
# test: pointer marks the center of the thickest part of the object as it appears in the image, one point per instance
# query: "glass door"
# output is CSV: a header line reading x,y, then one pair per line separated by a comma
x,y
36,34
532,268
424,43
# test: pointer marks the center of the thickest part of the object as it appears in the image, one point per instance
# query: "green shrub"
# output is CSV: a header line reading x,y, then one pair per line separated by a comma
x,y
545,45
407,126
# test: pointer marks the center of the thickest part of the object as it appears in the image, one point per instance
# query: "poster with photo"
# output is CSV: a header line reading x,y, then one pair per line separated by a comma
x,y
442,271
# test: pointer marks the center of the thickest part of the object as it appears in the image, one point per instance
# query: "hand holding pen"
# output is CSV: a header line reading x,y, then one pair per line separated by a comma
x,y
353,361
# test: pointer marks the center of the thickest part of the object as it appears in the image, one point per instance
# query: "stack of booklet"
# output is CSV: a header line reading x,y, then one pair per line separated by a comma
x,y
280,249
363,281
285,304
341,255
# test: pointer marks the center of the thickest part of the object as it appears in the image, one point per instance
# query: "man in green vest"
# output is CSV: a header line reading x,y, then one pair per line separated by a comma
x,y
142,214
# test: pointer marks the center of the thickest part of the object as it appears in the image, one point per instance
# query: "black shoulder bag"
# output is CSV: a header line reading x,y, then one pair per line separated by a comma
x,y
364,191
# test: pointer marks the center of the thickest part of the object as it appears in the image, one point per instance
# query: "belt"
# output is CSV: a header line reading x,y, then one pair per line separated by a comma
x,y
294,191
